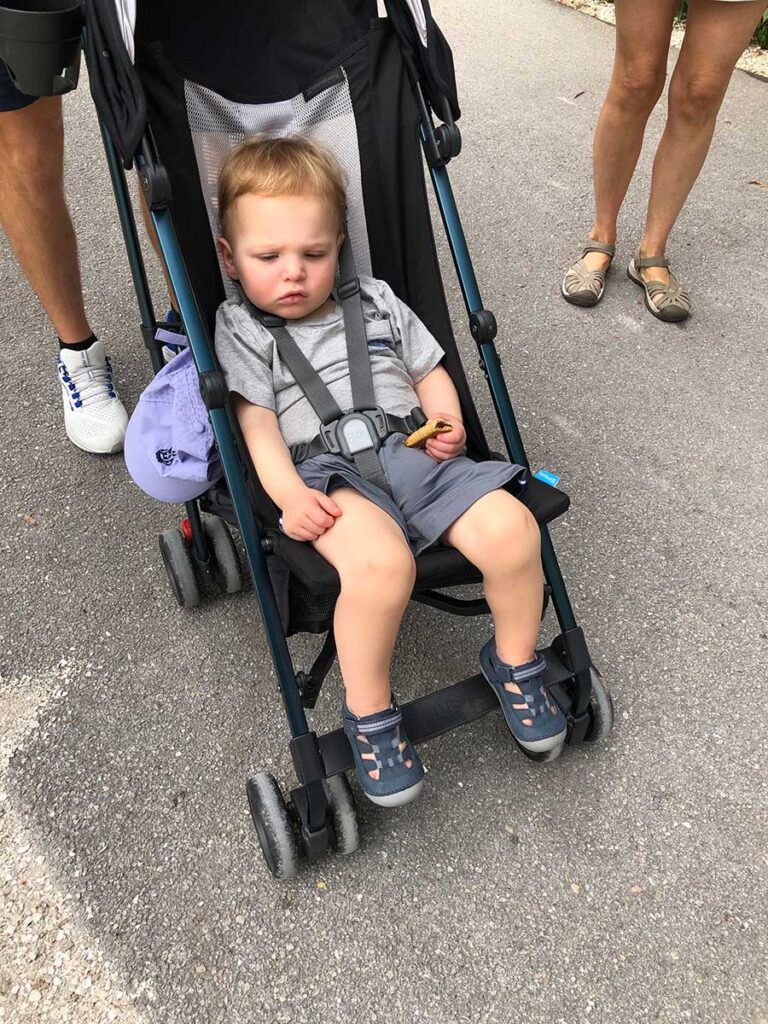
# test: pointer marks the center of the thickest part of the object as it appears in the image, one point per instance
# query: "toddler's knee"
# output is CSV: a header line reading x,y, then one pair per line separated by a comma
x,y
386,570
513,537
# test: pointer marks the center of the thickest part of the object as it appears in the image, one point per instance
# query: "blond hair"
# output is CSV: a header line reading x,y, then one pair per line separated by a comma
x,y
290,166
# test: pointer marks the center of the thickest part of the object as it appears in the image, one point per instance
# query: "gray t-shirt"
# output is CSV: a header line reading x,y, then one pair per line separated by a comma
x,y
402,352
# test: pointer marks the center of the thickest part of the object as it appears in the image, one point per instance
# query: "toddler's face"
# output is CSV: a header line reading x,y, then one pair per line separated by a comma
x,y
284,251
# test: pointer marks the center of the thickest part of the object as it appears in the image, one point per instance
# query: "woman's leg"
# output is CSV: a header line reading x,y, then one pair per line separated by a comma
x,y
643,30
716,36
500,536
377,571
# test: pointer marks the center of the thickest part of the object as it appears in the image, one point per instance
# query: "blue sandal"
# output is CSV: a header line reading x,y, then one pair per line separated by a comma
x,y
379,744
548,726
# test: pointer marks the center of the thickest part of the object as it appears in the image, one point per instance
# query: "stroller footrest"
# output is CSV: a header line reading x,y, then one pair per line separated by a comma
x,y
438,713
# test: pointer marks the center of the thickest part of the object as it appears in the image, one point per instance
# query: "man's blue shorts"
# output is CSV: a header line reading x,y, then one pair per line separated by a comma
x,y
10,97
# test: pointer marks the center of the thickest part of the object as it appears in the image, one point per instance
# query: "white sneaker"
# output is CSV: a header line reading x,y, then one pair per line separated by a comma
x,y
94,417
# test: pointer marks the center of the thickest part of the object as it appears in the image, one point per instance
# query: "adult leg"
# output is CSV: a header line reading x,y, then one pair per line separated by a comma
x,y
643,30
34,214
716,36
377,571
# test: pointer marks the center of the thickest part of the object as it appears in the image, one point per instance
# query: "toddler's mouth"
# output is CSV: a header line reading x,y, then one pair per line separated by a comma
x,y
291,297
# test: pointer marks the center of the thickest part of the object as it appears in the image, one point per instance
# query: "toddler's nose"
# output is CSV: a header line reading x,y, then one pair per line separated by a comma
x,y
294,270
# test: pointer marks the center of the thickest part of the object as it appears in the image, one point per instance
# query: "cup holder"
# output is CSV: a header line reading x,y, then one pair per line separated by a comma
x,y
40,41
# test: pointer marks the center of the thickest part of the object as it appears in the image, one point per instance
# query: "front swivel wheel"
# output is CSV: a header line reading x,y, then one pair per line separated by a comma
x,y
599,709
342,815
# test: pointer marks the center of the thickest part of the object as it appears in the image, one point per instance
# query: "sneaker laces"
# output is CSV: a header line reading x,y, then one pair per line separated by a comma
x,y
89,385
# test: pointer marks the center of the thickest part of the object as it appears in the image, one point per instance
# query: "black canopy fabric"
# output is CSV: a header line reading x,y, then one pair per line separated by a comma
x,y
252,51
115,86
431,55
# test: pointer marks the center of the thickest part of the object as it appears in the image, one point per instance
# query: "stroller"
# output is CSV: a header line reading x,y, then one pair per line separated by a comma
x,y
176,89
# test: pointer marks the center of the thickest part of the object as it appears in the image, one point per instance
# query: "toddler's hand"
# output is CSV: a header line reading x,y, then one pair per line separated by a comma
x,y
308,513
448,445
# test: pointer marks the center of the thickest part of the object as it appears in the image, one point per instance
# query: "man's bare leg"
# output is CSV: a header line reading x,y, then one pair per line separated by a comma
x,y
35,218
34,214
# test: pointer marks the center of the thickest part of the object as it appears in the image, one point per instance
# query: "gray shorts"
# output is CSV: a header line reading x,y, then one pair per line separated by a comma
x,y
427,496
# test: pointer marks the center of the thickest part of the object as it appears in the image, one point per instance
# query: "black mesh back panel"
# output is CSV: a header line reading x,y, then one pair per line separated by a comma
x,y
267,53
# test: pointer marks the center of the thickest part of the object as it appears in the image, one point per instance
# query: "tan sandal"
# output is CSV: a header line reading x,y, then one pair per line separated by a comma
x,y
582,286
668,302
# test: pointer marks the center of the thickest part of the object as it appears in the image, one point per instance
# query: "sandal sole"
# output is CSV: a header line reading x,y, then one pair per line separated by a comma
x,y
397,799
576,300
648,305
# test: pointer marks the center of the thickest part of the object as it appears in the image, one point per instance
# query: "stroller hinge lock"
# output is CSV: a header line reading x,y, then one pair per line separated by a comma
x,y
482,325
153,176
448,141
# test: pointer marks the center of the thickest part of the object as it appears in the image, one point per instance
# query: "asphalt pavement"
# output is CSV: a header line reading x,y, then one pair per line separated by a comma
x,y
625,882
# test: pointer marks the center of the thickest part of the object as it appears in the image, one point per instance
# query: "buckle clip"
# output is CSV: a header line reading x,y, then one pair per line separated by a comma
x,y
346,289
355,432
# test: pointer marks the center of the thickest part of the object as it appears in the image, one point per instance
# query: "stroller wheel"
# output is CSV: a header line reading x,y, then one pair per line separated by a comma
x,y
600,709
226,563
341,810
273,825
178,565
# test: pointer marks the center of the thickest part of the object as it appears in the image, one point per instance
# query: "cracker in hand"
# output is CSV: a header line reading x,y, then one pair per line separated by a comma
x,y
430,429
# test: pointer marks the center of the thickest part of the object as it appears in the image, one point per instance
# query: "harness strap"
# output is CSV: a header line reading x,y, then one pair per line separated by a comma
x,y
370,468
305,375
359,360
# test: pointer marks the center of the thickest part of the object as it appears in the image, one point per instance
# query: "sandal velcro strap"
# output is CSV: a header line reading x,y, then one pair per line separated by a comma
x,y
644,262
603,247
372,725
517,673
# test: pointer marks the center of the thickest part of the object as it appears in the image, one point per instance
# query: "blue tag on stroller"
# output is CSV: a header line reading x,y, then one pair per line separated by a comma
x,y
548,478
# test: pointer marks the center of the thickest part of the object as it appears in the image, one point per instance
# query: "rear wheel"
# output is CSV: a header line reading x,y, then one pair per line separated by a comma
x,y
180,568
273,825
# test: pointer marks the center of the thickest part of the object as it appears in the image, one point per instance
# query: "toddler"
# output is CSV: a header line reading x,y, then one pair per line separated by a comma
x,y
281,209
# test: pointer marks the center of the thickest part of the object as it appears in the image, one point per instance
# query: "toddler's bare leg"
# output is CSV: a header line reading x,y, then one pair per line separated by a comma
x,y
370,553
500,536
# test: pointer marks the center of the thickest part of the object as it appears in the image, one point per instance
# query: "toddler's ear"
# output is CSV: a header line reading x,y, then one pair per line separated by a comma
x,y
340,241
225,249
